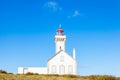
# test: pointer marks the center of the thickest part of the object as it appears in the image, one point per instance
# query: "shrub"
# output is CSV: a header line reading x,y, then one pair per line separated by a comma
x,y
104,77
10,73
70,76
2,71
29,73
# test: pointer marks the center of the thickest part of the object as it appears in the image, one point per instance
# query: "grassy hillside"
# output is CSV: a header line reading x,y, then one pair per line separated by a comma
x,y
30,76
53,77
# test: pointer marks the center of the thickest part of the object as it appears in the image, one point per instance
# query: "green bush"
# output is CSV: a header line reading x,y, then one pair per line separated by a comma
x,y
2,71
104,77
29,73
70,76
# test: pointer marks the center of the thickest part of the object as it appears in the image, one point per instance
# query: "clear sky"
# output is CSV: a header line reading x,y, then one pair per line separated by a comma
x,y
28,27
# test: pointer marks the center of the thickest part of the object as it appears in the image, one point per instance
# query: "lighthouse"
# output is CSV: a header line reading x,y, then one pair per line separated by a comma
x,y
60,63
60,40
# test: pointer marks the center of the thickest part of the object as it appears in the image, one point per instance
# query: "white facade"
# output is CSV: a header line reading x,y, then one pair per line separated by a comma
x,y
39,70
61,63
60,42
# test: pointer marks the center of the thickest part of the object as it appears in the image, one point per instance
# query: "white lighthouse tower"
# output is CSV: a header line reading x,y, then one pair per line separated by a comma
x,y
60,40
60,63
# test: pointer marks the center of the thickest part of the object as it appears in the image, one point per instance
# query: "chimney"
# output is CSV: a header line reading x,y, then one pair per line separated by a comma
x,y
74,53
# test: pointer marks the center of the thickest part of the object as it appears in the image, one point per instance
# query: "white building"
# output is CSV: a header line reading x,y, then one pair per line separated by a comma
x,y
61,63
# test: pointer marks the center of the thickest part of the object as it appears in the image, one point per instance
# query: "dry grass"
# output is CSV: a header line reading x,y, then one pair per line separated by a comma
x,y
4,76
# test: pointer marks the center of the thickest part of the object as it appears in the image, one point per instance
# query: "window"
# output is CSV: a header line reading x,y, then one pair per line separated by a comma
x,y
62,69
61,58
25,70
70,69
53,69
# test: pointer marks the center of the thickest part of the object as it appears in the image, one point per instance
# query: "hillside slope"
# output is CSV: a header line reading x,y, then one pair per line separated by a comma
x,y
53,77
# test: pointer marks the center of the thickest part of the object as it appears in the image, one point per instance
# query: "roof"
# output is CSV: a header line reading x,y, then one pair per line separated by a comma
x,y
58,53
60,32
55,54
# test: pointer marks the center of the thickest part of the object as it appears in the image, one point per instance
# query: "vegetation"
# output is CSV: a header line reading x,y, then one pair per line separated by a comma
x,y
31,76
2,71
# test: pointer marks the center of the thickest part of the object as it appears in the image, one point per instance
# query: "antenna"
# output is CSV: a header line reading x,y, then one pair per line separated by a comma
x,y
60,26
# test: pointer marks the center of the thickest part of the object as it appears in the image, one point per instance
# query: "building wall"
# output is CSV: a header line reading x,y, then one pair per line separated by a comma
x,y
39,70
61,64
60,43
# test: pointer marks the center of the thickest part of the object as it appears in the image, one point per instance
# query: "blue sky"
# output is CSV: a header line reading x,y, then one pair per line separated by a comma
x,y
28,27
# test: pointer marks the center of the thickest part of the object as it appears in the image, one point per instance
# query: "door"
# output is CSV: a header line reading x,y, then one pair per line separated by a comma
x,y
62,69
25,70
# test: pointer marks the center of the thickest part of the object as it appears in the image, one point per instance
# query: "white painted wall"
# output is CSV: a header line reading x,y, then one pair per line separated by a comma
x,y
60,42
68,60
60,61
39,70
